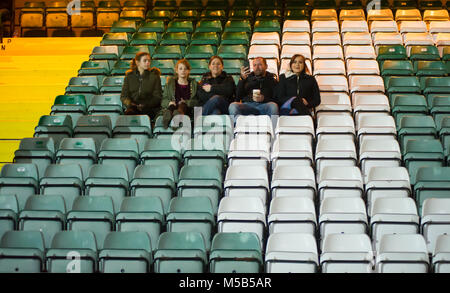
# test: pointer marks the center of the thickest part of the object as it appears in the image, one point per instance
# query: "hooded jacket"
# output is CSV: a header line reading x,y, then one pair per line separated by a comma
x,y
169,92
266,84
300,86
222,85
143,89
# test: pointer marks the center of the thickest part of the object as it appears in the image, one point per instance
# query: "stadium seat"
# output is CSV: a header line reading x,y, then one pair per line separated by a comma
x,y
291,150
415,127
205,38
95,67
339,152
133,126
293,181
354,26
292,214
9,210
335,126
238,25
144,39
39,151
115,39
387,26
123,151
108,103
440,255
81,151
423,53
332,83
55,126
379,153
21,180
169,51
180,26
434,220
431,182
205,25
242,179
124,26
97,127
232,51
396,67
152,26
161,150
267,26
359,52
105,53
107,13
340,182
72,105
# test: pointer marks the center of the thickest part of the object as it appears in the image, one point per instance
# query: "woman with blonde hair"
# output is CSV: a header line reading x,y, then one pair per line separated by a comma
x,y
297,91
141,90
180,93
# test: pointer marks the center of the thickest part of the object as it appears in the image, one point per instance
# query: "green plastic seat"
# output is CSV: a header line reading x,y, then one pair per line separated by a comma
x,y
92,213
152,26
199,52
126,252
403,84
235,38
168,52
243,4
82,151
396,67
155,180
207,26
178,38
144,39
111,85
440,108
187,14
232,51
268,14
166,67
38,150
180,26
108,179
142,213
97,127
81,244
129,52
21,180
45,213
245,13
446,53
198,66
213,14
191,5
165,4
235,253
415,127
97,67
9,210
55,126
423,53
123,151
392,52
120,67
115,39
180,126
83,84
205,38
297,14
124,26
32,15
22,252
267,26
192,214
180,252
165,15
436,85
238,25
133,126
64,180
408,103
431,182
429,68
209,148
107,12
233,66
132,15
105,53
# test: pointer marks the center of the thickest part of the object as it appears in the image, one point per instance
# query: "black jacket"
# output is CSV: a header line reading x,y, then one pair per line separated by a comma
x,y
266,84
302,86
222,85
145,89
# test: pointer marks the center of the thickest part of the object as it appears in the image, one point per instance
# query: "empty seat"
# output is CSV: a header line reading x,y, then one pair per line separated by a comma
x,y
363,67
346,253
98,127
363,103
356,38
291,253
324,26
235,253
55,126
9,210
379,153
388,26
298,126
296,26
340,182
292,214
332,83
375,127
440,255
387,38
323,66
265,51
323,14
39,151
291,151
296,38
77,150
294,181
402,253
434,220
21,180
359,52
339,152
123,151
72,105
413,39
326,38
335,126
249,148
242,179
366,83
162,150
354,26
290,50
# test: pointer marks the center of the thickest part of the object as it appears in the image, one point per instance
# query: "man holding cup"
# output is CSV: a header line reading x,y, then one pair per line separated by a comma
x,y
255,91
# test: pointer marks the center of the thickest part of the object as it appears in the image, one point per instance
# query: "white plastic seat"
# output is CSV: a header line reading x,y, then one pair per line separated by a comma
x,y
291,253
393,216
359,52
441,255
251,124
402,253
249,149
354,26
324,14
379,153
247,179
296,38
242,214
346,253
340,181
379,14
370,103
335,152
386,26
335,126
272,66
292,214
326,38
386,182
265,38
296,126
332,83
408,15
290,50
327,26
291,151
375,126
356,38
352,15
293,181
328,52
329,66
334,104
362,67
366,83
265,51
285,61
413,27
442,39
435,220
387,38
418,39
439,27
296,26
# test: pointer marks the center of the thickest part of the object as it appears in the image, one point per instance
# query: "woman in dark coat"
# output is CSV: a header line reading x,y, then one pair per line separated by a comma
x,y
297,91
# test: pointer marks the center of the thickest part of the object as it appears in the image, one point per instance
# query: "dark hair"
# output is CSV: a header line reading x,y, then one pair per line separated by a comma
x,y
137,58
295,56
215,57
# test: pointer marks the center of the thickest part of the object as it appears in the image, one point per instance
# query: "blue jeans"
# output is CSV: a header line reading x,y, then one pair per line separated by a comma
x,y
253,108
216,105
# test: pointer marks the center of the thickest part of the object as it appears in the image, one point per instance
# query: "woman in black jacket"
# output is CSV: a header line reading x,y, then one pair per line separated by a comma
x,y
216,89
297,91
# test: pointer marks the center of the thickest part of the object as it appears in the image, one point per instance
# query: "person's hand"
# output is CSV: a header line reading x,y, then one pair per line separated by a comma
x,y
258,98
245,71
305,102
207,88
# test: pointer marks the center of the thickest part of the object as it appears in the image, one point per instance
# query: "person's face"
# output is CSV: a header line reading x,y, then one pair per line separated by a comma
x,y
182,71
259,68
144,63
298,65
216,67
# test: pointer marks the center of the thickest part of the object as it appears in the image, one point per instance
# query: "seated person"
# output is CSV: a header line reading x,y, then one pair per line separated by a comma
x,y
256,90
216,89
141,90
297,92
180,93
